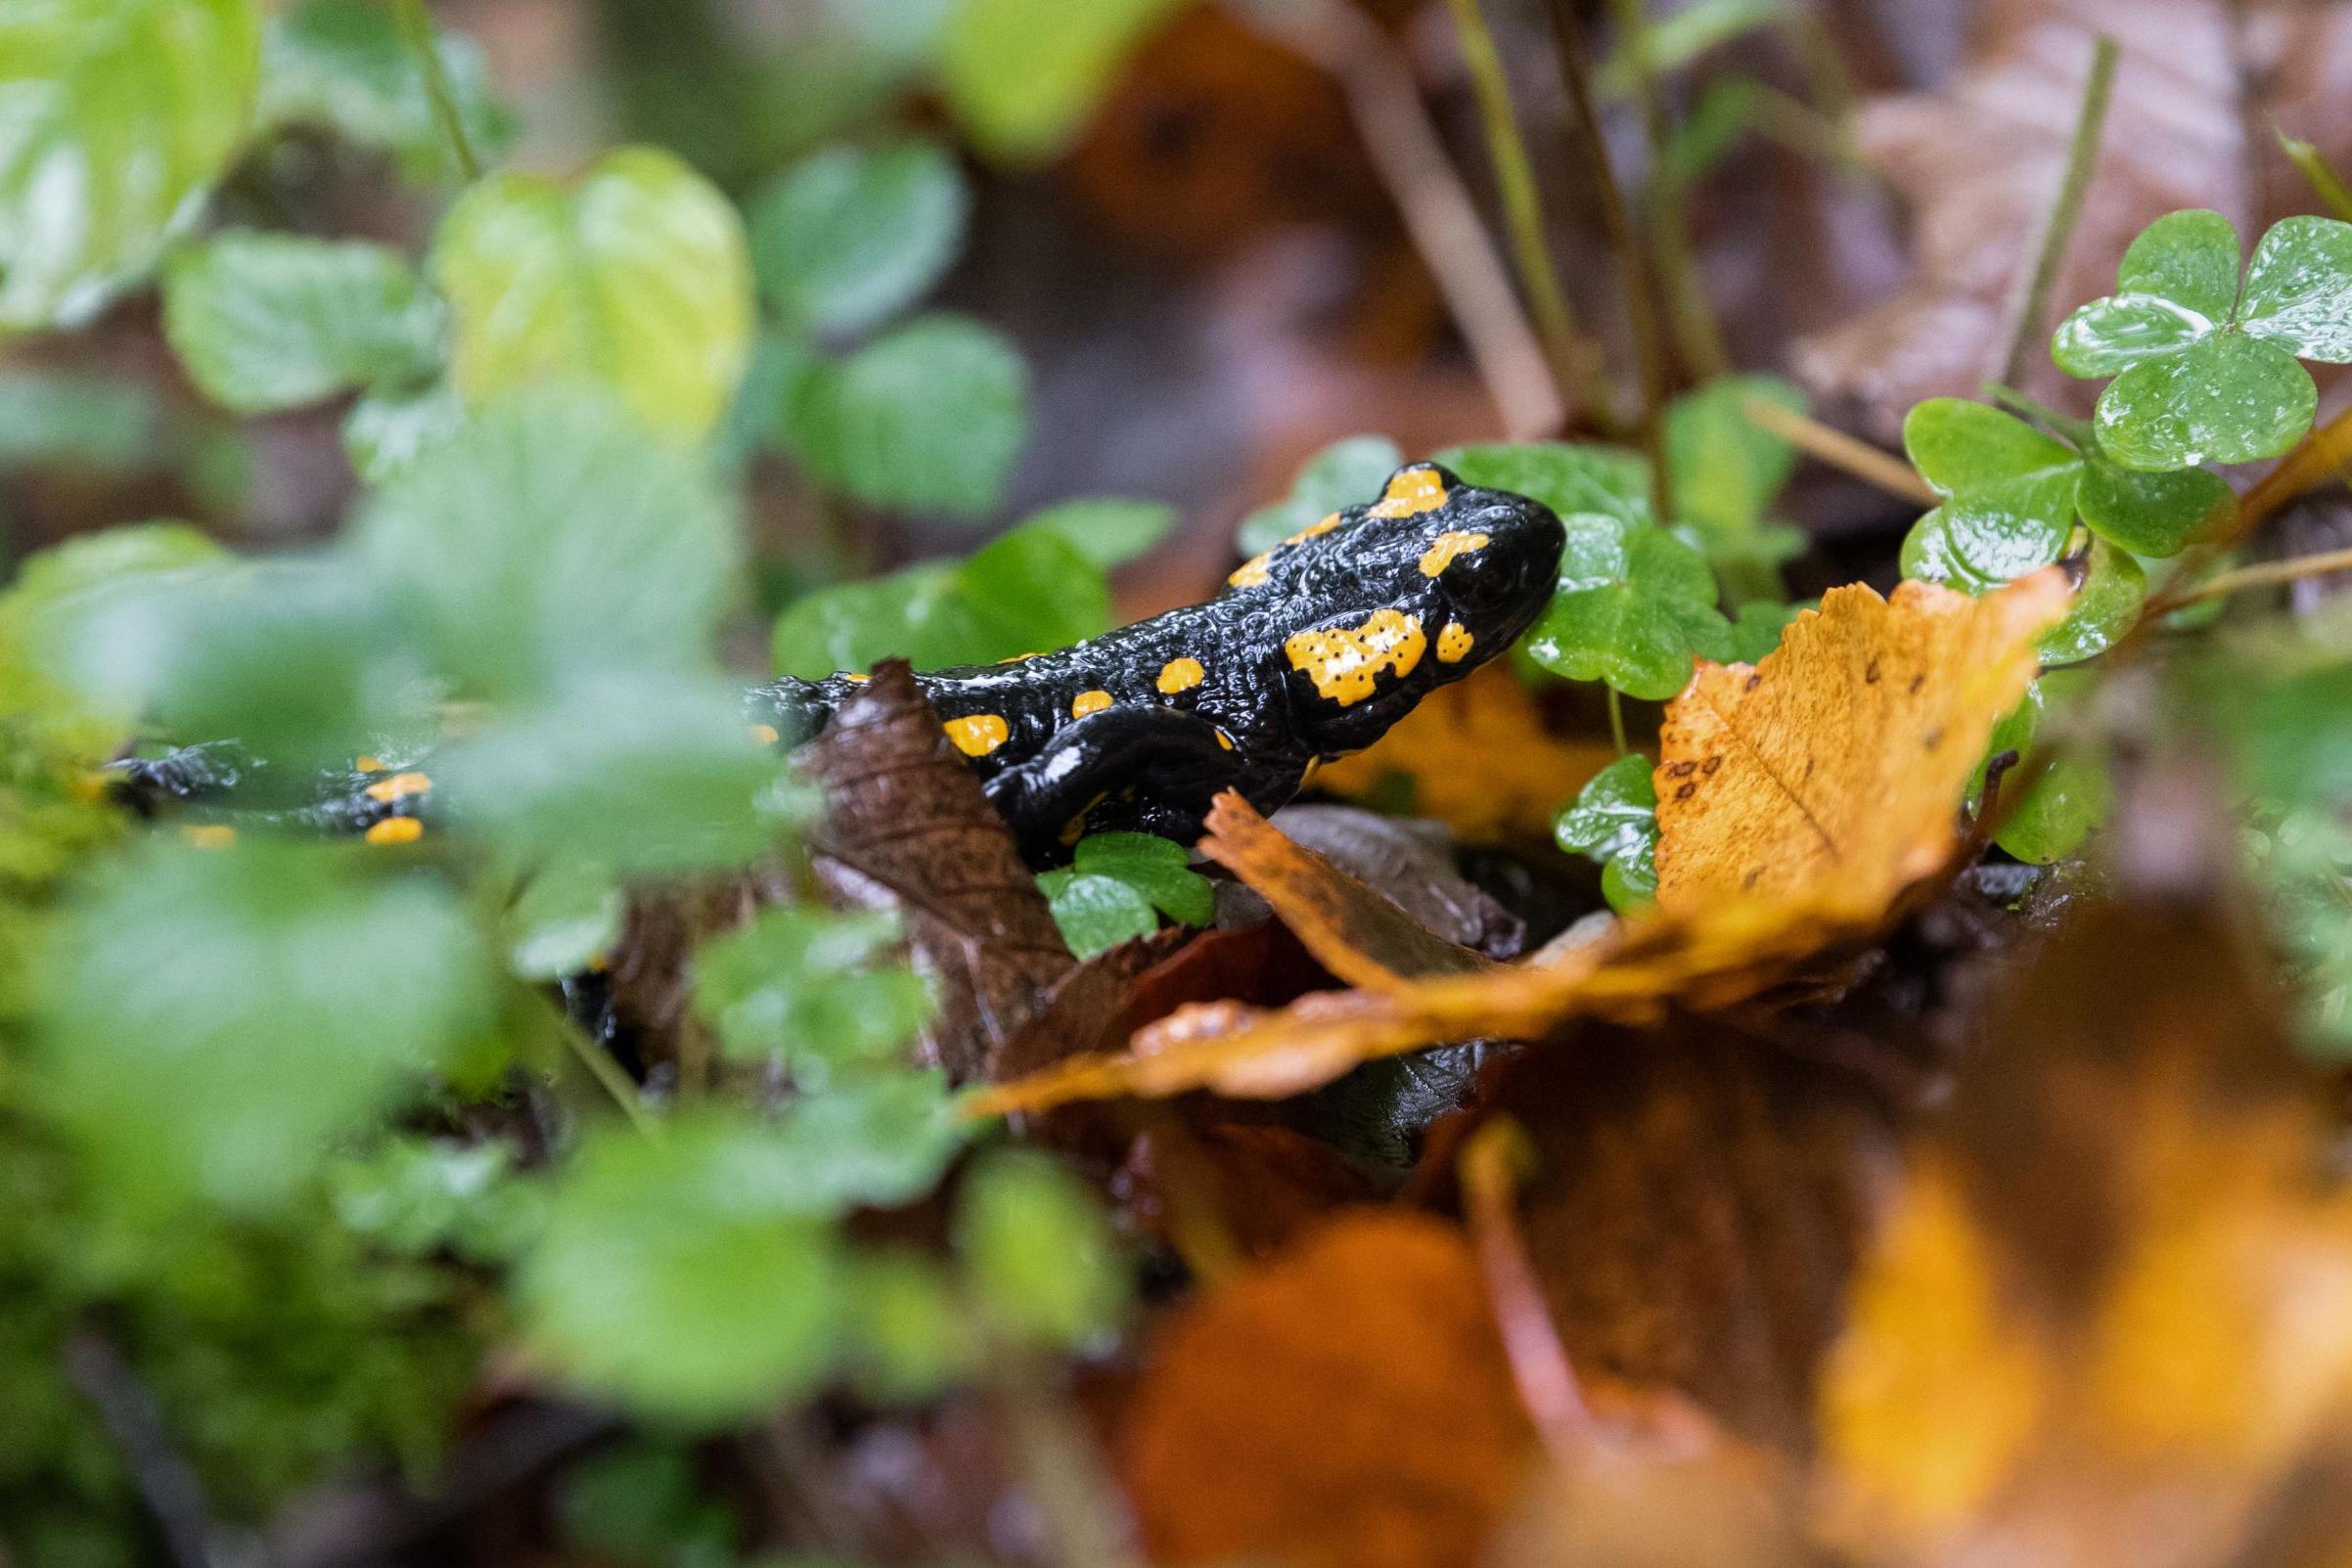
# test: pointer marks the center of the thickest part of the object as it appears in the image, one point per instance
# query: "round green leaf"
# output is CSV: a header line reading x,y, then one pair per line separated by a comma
x,y
2072,796
2010,488
2227,398
816,989
928,417
211,1020
2109,336
852,235
1929,555
1096,912
1030,591
118,113
549,535
2151,513
1023,75
1157,868
565,918
2298,288
1107,531
640,772
1613,820
913,615
669,1278
2189,257
636,278
1569,478
272,320
1635,605
2105,607
1039,1252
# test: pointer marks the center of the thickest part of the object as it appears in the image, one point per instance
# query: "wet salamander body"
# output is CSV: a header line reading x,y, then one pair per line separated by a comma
x,y
1311,651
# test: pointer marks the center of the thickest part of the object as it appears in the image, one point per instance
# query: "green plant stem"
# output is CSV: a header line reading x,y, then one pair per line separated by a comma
x,y
1617,721
1575,359
416,27
1641,305
2078,431
1694,319
2317,170
1439,216
2030,304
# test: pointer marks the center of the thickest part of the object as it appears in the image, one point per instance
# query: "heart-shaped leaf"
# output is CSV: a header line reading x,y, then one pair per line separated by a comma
x,y
274,321
2010,490
1613,820
1635,607
636,276
853,235
118,113
927,418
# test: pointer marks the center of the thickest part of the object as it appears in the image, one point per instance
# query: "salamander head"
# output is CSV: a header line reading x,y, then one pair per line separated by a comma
x,y
1408,592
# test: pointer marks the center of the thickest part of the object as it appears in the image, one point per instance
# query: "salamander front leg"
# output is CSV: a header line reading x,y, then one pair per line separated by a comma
x,y
1160,766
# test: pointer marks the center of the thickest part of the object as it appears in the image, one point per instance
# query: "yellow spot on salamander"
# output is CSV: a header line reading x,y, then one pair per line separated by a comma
x,y
1086,702
1180,675
368,764
976,735
767,734
400,785
1307,775
1411,493
1224,740
1454,642
209,836
1345,663
1252,573
1018,658
396,830
856,680
1440,555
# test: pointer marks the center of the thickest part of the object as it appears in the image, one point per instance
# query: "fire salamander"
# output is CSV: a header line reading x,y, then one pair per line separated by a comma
x,y
1312,650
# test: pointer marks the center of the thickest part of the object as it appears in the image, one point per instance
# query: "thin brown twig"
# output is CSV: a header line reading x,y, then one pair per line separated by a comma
x,y
1839,450
2266,574
1439,215
1641,304
2029,302
1493,1163
1688,310
1575,358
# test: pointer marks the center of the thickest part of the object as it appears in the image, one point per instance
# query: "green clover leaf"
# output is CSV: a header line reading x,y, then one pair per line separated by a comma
x,y
1613,820
2008,490
1118,886
1635,605
2205,367
2114,585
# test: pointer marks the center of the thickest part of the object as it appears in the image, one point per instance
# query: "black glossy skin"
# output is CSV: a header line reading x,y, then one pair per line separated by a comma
x,y
1149,758
1257,720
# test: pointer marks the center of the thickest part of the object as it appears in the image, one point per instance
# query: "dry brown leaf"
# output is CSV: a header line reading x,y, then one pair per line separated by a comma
x,y
2112,1322
1348,1405
1695,1208
907,828
1980,161
1357,933
1522,773
1703,952
1834,766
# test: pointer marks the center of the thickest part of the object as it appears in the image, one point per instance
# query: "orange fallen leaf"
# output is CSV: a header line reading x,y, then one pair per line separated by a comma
x,y
1348,1405
1522,773
1832,767
1716,943
2111,1320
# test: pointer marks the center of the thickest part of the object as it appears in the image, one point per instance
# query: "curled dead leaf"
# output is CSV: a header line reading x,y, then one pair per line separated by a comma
x,y
1840,868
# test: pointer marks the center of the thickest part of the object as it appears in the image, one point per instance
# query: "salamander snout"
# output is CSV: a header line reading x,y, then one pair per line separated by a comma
x,y
1492,556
